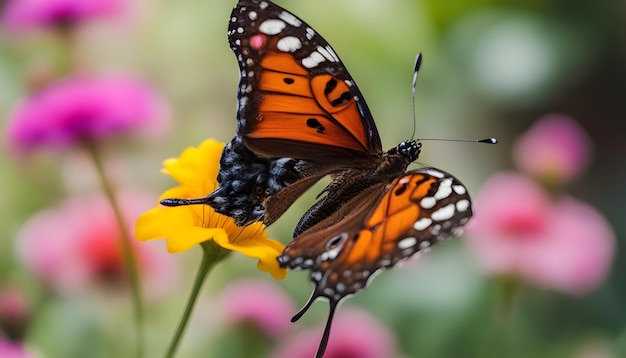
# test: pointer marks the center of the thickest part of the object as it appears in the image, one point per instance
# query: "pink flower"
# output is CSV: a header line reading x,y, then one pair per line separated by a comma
x,y
78,243
555,149
27,14
85,109
518,231
355,334
258,302
10,349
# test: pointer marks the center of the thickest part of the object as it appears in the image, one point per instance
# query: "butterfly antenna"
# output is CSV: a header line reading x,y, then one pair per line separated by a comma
x,y
491,140
416,68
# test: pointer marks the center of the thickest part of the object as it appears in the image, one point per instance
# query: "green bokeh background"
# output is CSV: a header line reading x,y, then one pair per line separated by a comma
x,y
491,67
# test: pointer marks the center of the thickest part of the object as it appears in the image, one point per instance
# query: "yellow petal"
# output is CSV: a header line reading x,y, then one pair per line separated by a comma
x,y
263,249
197,167
187,226
191,236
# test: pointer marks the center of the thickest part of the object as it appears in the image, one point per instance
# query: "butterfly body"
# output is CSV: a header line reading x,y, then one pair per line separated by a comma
x,y
301,117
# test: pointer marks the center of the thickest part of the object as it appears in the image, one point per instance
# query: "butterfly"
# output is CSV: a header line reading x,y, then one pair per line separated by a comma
x,y
301,117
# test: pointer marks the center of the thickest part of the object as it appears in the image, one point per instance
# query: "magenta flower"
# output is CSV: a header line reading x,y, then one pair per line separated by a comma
x,y
518,231
555,149
78,243
260,303
28,14
83,109
10,349
355,334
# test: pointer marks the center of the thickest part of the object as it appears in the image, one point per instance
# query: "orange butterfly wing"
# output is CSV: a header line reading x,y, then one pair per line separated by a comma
x,y
296,99
373,232
413,213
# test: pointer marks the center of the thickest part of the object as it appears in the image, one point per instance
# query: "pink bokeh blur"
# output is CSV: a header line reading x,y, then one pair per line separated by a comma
x,y
555,149
519,231
261,303
22,15
9,349
76,246
85,108
355,334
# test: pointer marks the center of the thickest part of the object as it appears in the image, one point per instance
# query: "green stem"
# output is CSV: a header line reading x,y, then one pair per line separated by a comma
x,y
130,261
212,254
507,292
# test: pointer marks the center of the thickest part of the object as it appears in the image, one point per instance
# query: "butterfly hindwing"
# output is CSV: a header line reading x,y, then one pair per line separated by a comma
x,y
409,215
381,226
296,99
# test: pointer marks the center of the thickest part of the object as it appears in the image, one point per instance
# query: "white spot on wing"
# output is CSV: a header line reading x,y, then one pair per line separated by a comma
x,y
444,190
326,54
459,189
428,202
332,53
407,243
314,59
272,26
243,100
462,205
252,15
433,172
422,224
445,213
289,44
310,33
290,19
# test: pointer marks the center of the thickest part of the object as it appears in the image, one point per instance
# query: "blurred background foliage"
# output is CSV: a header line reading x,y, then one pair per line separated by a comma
x,y
491,68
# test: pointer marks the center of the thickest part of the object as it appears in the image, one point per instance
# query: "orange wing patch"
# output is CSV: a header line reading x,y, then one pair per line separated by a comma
x,y
295,107
333,95
282,62
315,129
285,83
391,219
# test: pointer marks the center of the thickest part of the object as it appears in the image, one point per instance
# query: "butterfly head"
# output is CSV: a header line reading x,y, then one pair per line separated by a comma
x,y
410,149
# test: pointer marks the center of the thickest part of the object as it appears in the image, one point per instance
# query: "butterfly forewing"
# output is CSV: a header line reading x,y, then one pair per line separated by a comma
x,y
296,99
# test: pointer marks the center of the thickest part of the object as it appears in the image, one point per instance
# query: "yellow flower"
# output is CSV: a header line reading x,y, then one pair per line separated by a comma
x,y
186,226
